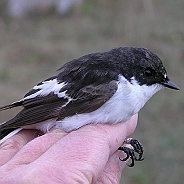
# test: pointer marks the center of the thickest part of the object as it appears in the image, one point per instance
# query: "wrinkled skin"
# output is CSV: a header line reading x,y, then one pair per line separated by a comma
x,y
87,155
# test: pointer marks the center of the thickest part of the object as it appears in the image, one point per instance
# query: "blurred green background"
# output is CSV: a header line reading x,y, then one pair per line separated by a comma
x,y
33,47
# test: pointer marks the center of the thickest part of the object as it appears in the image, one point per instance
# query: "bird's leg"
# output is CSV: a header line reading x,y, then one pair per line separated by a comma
x,y
137,148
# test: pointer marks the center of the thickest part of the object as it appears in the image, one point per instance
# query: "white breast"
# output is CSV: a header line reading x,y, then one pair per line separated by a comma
x,y
127,101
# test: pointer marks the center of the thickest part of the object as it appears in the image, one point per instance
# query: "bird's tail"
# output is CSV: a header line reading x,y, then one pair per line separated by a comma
x,y
6,134
15,104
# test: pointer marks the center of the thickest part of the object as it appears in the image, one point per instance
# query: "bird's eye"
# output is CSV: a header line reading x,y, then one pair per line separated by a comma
x,y
148,72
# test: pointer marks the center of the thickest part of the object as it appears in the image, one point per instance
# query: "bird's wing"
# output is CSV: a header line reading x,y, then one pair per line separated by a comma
x,y
51,99
82,86
89,99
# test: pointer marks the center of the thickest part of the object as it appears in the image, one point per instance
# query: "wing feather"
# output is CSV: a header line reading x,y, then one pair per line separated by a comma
x,y
43,108
82,86
89,99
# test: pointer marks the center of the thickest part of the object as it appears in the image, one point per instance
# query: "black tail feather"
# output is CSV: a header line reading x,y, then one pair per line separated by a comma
x,y
15,104
5,132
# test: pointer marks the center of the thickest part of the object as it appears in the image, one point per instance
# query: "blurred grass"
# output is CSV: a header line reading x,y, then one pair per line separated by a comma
x,y
32,49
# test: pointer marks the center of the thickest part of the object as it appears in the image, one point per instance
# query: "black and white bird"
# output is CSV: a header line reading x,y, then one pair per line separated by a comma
x,y
104,87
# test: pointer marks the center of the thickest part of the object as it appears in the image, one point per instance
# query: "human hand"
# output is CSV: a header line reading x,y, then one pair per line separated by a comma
x,y
87,155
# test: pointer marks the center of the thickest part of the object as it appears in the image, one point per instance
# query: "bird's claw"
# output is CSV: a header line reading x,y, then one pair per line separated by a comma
x,y
137,148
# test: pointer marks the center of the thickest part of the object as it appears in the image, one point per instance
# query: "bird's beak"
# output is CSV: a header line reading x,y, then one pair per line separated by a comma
x,y
171,85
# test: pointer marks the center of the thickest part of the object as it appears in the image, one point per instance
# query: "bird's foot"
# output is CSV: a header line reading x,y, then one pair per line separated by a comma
x,y
131,153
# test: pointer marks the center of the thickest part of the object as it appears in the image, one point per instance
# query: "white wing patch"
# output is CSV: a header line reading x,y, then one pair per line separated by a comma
x,y
48,87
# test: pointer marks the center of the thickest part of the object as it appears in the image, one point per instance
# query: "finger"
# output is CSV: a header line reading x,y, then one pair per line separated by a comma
x,y
86,150
12,146
37,147
113,170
